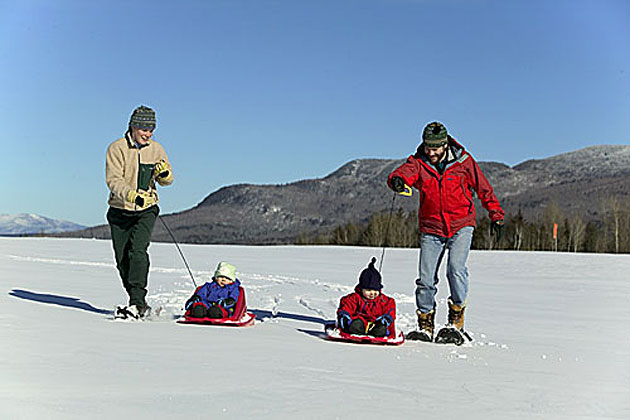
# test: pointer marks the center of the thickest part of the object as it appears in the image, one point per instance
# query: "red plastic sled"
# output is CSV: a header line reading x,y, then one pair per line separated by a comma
x,y
240,318
335,334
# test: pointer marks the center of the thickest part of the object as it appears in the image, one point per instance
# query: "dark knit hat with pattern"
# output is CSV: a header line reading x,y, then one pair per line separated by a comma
x,y
434,135
370,278
143,117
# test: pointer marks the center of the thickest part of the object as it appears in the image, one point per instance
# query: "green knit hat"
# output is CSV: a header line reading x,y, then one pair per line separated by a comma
x,y
434,135
143,117
225,269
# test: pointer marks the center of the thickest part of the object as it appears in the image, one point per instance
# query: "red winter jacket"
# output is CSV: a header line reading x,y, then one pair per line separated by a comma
x,y
369,310
446,201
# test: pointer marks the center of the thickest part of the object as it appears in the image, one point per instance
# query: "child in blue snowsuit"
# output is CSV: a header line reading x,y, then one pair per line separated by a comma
x,y
216,299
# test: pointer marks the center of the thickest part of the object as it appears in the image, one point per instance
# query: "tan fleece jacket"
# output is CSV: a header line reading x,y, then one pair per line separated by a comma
x,y
129,168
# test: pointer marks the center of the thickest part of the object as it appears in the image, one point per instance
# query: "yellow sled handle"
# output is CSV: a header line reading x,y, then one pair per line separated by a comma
x,y
407,192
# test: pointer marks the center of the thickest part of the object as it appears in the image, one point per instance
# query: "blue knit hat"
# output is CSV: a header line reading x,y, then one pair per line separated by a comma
x,y
370,278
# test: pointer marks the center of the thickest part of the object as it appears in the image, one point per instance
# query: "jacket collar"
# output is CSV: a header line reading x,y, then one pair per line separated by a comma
x,y
131,143
454,153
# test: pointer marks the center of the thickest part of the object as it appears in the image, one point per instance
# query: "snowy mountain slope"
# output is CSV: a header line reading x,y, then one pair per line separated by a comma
x,y
549,329
27,223
277,214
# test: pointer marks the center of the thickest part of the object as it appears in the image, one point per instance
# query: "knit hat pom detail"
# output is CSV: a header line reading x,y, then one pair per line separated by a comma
x,y
370,278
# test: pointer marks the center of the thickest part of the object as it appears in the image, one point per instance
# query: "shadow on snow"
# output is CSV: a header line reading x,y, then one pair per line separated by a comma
x,y
76,303
313,333
260,314
68,302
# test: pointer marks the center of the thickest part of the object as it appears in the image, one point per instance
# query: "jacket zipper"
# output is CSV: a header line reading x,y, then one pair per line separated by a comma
x,y
135,206
470,202
439,178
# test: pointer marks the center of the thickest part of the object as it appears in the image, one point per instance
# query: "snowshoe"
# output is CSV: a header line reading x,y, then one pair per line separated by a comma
x,y
126,313
419,336
135,313
452,335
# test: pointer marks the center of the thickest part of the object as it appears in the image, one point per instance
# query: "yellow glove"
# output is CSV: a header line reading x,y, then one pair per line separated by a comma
x,y
162,172
141,199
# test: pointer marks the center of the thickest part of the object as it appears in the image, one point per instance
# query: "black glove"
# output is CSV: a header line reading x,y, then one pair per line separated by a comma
x,y
397,184
385,320
344,321
228,302
496,229
191,301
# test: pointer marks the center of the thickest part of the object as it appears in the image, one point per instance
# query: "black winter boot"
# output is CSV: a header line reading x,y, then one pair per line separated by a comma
x,y
357,327
377,330
198,311
214,312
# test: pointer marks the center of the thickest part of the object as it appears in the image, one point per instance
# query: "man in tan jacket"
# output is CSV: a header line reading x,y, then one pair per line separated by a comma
x,y
134,164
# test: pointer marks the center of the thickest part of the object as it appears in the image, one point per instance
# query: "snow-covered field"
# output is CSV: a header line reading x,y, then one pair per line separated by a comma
x,y
551,338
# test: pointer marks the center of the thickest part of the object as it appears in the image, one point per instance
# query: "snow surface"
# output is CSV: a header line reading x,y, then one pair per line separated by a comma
x,y
551,338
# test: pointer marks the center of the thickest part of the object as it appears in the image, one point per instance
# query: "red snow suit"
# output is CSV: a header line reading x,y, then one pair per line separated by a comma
x,y
369,310
446,201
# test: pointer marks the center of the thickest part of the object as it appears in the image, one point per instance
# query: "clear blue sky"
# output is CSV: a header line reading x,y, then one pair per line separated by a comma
x,y
277,91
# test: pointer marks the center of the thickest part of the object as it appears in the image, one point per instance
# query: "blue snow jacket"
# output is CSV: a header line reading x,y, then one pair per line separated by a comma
x,y
212,294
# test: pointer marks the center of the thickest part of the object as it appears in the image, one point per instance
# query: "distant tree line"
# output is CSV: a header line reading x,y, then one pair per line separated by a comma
x,y
611,234
399,230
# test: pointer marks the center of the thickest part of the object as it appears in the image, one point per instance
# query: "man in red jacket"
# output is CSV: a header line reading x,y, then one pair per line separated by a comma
x,y
445,175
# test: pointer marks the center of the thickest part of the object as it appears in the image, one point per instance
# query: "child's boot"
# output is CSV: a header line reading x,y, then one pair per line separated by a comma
x,y
198,311
214,311
377,329
357,327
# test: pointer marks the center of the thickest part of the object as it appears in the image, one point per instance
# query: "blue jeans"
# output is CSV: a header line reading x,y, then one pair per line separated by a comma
x,y
432,249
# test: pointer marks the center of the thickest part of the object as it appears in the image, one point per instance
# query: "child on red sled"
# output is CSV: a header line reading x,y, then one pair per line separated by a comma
x,y
216,299
367,311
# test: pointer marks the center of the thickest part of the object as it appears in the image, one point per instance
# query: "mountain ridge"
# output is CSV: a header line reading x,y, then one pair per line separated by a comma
x,y
30,223
278,213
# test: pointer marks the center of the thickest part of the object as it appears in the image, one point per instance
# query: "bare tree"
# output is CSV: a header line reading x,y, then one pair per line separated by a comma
x,y
403,229
374,233
612,218
516,227
346,235
576,232
624,227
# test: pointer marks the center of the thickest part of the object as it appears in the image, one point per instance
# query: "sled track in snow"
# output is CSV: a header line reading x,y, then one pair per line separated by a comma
x,y
266,291
310,307
59,261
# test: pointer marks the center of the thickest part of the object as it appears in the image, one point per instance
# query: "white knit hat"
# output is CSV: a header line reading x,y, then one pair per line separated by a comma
x,y
225,269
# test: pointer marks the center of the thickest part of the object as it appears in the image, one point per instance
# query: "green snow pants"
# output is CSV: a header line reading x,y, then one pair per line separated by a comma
x,y
131,235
